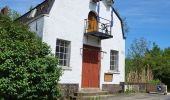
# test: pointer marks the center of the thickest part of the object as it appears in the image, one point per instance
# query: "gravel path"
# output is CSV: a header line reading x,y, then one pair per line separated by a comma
x,y
140,96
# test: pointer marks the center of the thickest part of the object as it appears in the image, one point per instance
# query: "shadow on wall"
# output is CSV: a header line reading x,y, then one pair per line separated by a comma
x,y
92,6
108,8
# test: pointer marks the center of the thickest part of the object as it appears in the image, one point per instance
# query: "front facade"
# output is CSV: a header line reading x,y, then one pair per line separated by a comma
x,y
87,38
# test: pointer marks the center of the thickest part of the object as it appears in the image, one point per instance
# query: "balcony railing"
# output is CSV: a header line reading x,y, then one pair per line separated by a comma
x,y
101,28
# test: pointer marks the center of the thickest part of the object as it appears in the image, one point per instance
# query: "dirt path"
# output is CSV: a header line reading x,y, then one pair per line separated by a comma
x,y
141,96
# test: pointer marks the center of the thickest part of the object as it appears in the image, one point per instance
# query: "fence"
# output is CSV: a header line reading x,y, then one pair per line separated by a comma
x,y
145,87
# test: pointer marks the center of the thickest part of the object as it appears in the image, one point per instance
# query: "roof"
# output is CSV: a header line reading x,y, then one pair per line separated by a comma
x,y
40,9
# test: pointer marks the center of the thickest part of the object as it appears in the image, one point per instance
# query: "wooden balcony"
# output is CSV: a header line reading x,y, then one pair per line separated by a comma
x,y
100,29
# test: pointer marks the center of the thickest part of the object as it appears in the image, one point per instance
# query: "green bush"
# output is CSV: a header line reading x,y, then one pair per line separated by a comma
x,y
27,68
129,91
155,82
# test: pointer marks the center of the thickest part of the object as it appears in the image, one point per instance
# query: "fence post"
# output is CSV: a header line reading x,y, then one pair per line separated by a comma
x,y
166,91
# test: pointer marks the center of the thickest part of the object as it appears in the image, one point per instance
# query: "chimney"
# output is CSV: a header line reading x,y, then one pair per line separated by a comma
x,y
4,11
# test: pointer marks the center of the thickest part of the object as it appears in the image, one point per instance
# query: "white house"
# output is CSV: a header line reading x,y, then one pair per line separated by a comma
x,y
86,36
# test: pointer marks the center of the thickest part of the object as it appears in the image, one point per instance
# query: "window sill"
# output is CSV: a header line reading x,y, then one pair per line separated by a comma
x,y
114,72
66,68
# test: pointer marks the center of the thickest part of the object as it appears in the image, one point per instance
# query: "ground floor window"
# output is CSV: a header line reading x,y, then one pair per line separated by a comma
x,y
114,59
63,52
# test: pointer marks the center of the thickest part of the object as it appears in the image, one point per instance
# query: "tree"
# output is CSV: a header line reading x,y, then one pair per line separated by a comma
x,y
141,57
136,53
13,14
137,70
159,60
153,58
27,68
31,7
166,66
125,25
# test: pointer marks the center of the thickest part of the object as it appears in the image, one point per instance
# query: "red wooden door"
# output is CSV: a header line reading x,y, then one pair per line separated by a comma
x,y
91,67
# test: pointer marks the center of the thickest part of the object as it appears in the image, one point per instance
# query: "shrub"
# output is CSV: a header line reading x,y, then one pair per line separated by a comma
x,y
155,82
27,68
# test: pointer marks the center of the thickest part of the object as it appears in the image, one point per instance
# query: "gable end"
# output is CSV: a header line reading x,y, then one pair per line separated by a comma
x,y
41,9
121,21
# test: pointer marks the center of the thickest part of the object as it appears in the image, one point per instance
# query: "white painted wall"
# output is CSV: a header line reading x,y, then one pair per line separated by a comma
x,y
66,21
37,26
116,43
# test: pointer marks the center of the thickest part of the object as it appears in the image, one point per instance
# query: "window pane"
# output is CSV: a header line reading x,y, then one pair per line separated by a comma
x,y
61,56
62,43
58,42
57,54
65,57
66,50
57,48
111,68
67,44
65,62
62,49
60,62
112,57
111,62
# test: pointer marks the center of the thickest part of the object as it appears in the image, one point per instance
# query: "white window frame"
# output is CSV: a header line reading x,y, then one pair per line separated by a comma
x,y
62,52
114,61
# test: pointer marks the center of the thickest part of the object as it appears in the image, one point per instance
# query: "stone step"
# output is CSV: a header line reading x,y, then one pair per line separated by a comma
x,y
89,89
91,93
99,97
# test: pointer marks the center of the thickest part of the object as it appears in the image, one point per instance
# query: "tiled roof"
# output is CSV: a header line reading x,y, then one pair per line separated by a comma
x,y
43,8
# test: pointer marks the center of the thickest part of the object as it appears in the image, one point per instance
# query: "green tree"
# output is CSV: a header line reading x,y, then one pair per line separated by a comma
x,y
125,25
166,66
136,54
27,68
13,14
128,67
141,56
154,59
31,7
159,60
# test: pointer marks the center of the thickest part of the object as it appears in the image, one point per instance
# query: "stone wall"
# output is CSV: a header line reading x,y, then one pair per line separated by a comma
x,y
68,89
112,88
156,88
135,87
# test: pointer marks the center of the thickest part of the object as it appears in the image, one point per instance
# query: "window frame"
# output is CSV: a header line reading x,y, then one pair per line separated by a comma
x,y
114,60
65,54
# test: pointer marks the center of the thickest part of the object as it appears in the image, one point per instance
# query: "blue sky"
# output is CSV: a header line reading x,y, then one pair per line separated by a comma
x,y
146,18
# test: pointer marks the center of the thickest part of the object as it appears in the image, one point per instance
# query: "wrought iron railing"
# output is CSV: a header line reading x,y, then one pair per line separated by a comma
x,y
102,26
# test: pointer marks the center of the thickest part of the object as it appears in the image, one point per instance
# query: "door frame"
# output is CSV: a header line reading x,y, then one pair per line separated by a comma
x,y
99,71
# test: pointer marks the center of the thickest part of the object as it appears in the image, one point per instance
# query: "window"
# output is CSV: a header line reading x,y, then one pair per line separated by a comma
x,y
32,14
114,59
63,52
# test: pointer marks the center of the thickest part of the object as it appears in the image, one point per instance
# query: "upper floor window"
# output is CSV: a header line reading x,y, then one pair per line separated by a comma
x,y
114,60
63,52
